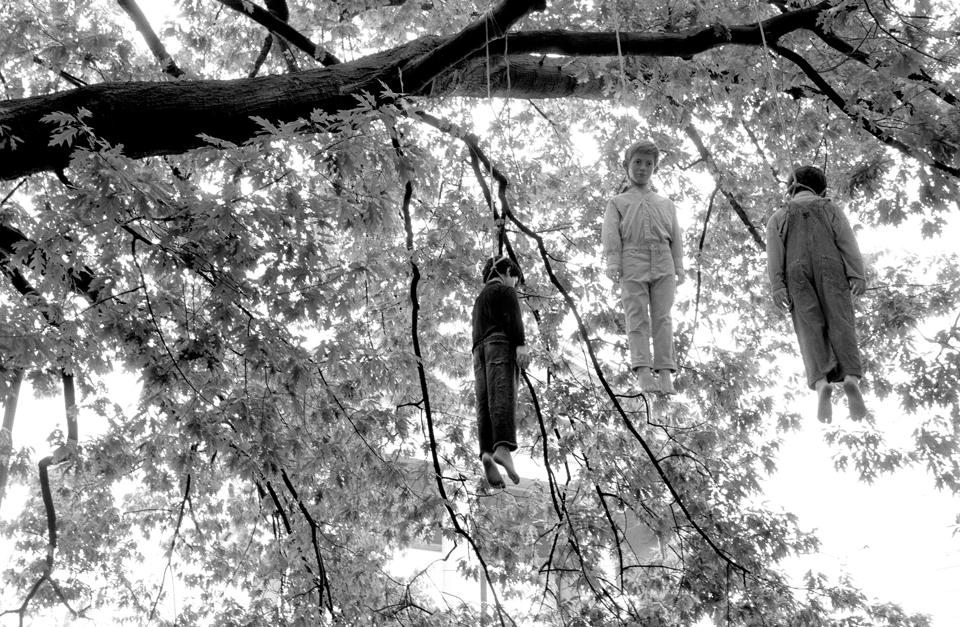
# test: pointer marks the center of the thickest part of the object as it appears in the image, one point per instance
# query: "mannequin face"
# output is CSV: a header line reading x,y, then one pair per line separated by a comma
x,y
641,167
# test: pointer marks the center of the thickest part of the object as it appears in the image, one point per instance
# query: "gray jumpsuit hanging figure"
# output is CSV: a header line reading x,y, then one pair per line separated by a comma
x,y
814,265
642,251
499,353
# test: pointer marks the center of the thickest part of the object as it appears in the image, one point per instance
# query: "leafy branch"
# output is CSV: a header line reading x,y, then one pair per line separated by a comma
x,y
64,453
173,544
585,336
861,120
424,389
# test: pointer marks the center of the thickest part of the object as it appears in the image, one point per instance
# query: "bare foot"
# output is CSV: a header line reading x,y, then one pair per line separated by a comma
x,y
851,387
490,470
647,382
824,406
502,456
666,383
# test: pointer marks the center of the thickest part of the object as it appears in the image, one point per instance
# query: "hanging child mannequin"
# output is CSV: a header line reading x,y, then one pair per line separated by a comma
x,y
815,265
499,353
642,251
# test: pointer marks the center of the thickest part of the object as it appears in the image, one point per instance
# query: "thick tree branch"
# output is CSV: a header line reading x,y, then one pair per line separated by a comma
x,y
683,44
11,239
153,42
492,26
182,113
279,26
920,76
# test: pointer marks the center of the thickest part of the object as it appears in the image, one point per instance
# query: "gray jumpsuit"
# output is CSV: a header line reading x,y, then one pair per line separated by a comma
x,y
812,253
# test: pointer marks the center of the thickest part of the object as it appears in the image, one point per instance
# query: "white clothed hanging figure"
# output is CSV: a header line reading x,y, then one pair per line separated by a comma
x,y
642,251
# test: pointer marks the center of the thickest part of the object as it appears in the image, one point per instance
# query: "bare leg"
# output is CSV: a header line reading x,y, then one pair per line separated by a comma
x,y
851,387
490,470
824,407
502,456
666,383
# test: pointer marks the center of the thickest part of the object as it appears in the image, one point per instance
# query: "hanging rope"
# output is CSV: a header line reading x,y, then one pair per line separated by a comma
x,y
616,30
498,218
785,147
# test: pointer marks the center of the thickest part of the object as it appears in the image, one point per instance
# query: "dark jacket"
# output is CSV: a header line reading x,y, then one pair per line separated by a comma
x,y
497,310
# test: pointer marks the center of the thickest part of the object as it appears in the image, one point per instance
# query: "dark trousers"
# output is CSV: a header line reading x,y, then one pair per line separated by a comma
x,y
496,378
823,318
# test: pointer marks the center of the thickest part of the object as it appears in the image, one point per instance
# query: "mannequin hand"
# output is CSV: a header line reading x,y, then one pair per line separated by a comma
x,y
523,357
781,299
613,274
681,277
858,286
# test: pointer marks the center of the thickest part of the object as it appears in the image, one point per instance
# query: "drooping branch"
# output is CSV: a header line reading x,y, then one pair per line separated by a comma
x,y
860,120
173,544
183,114
545,257
480,162
920,76
738,208
425,391
701,243
324,581
281,514
585,335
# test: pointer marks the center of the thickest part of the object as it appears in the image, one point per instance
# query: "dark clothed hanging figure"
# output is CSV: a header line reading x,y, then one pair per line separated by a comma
x,y
815,265
499,353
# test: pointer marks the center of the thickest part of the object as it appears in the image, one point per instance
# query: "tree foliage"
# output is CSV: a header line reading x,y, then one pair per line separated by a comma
x,y
275,214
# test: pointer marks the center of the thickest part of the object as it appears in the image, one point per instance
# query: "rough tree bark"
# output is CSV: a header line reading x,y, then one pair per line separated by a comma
x,y
158,118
